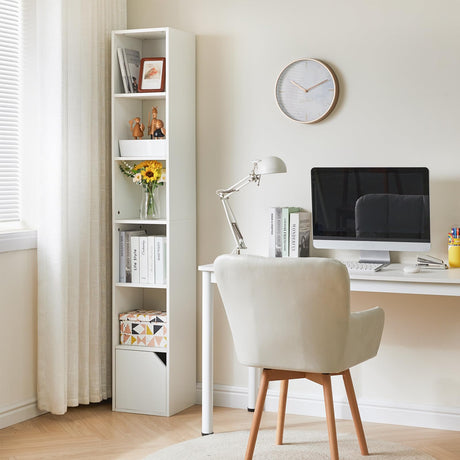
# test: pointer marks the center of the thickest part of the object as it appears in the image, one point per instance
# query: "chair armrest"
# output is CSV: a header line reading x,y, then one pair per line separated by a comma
x,y
364,333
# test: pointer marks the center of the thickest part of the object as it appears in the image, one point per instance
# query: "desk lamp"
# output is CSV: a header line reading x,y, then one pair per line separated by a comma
x,y
269,165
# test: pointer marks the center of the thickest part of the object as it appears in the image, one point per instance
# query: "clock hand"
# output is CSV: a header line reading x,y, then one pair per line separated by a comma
x,y
317,84
298,86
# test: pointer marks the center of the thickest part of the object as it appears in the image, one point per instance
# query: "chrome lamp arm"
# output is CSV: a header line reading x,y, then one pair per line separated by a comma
x,y
268,165
224,195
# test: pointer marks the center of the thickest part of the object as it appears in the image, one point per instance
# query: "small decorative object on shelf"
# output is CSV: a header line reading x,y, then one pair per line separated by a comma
x,y
146,328
152,75
156,126
150,174
160,131
137,128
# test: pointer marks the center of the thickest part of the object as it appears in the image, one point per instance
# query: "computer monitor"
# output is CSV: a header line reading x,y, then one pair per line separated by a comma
x,y
375,210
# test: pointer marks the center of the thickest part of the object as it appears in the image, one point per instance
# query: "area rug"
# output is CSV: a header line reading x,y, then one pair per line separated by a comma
x,y
297,445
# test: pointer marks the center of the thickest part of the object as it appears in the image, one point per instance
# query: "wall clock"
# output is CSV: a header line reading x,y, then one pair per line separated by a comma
x,y
307,90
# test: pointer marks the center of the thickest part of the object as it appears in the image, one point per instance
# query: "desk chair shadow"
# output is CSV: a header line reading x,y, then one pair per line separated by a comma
x,y
292,318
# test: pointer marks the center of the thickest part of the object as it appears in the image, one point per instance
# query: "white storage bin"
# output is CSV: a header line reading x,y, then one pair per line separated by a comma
x,y
155,148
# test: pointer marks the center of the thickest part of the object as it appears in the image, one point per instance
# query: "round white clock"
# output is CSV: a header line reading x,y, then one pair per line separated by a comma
x,y
307,90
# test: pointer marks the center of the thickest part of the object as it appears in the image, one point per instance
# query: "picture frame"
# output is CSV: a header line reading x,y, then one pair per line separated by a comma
x,y
152,75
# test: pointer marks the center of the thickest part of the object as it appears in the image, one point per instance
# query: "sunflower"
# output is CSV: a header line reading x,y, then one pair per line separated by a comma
x,y
149,173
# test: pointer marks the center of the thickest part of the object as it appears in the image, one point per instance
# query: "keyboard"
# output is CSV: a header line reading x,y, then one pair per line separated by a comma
x,y
362,267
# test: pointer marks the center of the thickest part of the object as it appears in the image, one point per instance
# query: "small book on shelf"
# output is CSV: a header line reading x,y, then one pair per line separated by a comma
x,y
143,260
135,268
285,216
274,240
125,254
132,60
160,259
299,234
124,75
151,260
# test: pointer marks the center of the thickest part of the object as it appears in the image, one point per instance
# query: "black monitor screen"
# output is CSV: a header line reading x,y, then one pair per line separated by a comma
x,y
373,204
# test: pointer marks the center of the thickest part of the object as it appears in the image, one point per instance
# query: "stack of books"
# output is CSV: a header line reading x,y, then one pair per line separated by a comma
x,y
142,258
289,232
130,62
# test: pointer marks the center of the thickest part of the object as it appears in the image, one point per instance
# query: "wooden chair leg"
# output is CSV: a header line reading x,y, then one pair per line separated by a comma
x,y
281,411
330,417
355,412
257,416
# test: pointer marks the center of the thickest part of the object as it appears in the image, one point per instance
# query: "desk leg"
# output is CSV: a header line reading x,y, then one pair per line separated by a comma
x,y
253,385
207,354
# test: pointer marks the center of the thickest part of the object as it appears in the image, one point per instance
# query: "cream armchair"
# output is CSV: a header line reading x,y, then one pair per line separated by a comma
x,y
292,318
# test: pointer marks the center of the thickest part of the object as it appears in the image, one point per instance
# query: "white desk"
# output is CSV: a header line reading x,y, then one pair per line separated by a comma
x,y
390,279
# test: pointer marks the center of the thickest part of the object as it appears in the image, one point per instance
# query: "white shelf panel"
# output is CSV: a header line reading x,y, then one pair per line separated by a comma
x,y
144,286
141,222
138,348
158,33
140,96
142,158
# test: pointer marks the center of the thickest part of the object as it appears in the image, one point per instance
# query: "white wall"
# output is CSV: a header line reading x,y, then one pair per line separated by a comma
x,y
398,68
18,338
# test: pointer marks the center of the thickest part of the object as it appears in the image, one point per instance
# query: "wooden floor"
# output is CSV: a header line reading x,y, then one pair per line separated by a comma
x,y
96,432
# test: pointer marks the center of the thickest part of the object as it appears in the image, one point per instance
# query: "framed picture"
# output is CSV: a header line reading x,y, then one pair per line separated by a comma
x,y
152,75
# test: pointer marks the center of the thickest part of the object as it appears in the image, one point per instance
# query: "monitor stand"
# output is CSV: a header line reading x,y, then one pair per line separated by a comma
x,y
380,257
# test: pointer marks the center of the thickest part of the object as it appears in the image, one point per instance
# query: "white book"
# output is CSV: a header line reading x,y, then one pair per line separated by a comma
x,y
135,274
299,234
151,259
143,260
122,256
125,254
160,260
132,60
274,240
124,76
285,213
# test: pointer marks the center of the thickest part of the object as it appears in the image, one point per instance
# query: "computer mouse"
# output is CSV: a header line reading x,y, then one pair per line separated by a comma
x,y
411,269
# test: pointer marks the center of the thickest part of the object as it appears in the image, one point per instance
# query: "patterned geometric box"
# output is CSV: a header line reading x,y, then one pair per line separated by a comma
x,y
145,328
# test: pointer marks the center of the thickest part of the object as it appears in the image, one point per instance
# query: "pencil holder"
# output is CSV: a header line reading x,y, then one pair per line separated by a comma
x,y
454,252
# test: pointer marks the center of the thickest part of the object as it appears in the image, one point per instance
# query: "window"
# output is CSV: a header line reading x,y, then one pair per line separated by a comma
x,y
13,234
10,34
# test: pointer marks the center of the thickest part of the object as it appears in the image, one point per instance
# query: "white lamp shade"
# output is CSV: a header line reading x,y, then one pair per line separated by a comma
x,y
271,165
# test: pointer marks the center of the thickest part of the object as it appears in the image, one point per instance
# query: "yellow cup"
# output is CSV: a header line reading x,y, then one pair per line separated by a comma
x,y
454,255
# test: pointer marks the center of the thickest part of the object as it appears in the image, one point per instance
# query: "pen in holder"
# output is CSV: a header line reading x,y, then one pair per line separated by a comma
x,y
454,247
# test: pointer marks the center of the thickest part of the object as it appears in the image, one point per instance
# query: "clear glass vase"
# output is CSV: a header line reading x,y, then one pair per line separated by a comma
x,y
150,208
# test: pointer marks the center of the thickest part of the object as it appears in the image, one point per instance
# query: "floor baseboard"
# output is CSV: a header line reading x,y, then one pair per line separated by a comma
x,y
440,418
19,412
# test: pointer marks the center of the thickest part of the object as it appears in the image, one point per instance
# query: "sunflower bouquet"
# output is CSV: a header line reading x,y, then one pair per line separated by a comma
x,y
150,174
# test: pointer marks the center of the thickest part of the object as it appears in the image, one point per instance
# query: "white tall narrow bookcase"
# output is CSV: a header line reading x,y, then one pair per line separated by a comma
x,y
158,381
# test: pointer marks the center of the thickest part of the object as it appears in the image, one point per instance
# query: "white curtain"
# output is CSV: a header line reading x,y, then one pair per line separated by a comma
x,y
74,262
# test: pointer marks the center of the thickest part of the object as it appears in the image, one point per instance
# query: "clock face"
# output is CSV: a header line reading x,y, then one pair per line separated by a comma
x,y
307,90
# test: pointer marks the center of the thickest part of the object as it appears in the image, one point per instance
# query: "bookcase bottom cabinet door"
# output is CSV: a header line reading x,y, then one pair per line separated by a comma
x,y
140,382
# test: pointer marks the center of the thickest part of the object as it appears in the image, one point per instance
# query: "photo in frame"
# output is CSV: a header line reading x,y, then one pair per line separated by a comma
x,y
152,75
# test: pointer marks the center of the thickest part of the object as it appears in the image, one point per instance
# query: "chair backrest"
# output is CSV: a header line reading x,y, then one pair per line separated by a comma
x,y
286,313
380,214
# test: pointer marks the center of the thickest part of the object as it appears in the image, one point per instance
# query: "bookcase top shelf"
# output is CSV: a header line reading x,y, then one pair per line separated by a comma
x,y
140,96
143,34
